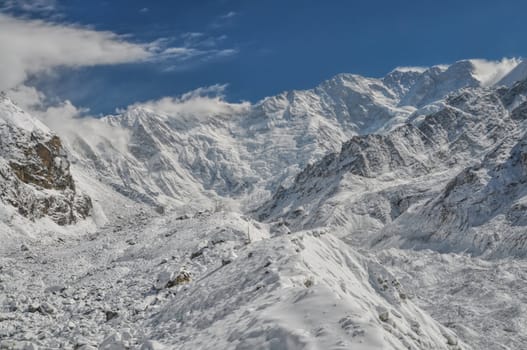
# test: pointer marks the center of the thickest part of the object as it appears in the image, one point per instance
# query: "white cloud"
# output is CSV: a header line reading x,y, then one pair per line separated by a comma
x,y
491,72
201,103
30,47
33,46
229,15
197,48
201,40
192,35
194,57
27,97
68,120
224,20
29,5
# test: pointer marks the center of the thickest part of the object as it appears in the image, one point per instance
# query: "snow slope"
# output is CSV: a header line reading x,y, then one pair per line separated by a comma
x,y
301,291
519,73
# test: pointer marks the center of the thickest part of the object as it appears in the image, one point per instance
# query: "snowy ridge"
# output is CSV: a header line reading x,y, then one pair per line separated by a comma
x,y
11,114
519,73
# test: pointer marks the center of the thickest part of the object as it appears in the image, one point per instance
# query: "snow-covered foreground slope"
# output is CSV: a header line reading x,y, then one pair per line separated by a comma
x,y
302,291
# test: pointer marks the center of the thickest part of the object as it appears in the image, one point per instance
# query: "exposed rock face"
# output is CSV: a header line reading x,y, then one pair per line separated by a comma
x,y
44,165
375,179
480,211
34,170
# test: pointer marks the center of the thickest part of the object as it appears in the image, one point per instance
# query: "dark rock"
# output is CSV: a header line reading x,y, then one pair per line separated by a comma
x,y
36,162
110,315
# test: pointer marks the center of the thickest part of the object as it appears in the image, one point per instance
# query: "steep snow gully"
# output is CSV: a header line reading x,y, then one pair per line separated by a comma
x,y
362,214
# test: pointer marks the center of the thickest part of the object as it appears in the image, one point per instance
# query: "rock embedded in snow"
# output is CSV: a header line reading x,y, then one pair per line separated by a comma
x,y
183,277
110,315
228,258
169,279
384,314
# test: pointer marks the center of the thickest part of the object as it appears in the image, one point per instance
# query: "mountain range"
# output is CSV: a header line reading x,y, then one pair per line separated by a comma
x,y
336,217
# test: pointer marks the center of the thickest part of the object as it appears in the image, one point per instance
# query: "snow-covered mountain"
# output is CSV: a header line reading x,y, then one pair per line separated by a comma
x,y
375,178
245,152
519,73
481,210
329,218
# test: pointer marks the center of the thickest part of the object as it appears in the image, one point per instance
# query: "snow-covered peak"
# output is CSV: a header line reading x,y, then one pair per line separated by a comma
x,y
402,79
13,115
519,73
133,116
439,81
341,85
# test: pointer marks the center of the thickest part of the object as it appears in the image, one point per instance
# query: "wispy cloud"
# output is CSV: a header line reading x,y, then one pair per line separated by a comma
x,y
189,50
198,39
229,15
202,103
66,119
33,46
30,47
45,6
197,57
224,20
490,72
144,10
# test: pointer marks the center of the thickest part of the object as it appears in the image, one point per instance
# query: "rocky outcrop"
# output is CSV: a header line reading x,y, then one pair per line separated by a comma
x,y
44,164
35,173
480,211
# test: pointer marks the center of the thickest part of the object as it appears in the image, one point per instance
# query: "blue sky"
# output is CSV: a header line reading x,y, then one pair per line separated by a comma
x,y
260,48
